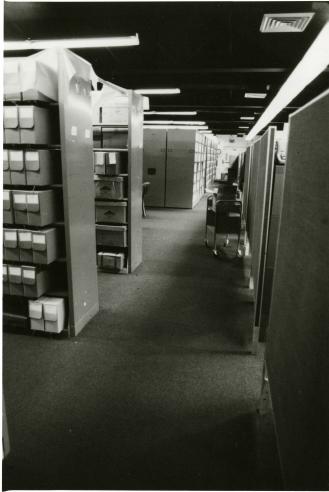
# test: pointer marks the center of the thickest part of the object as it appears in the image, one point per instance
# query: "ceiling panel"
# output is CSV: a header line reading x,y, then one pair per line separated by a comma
x,y
213,51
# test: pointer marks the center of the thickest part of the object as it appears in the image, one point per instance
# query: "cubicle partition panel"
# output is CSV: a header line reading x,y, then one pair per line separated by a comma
x,y
297,353
252,191
261,214
273,232
246,183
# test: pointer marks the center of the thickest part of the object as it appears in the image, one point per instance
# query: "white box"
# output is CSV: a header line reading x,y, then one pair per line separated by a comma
x,y
36,315
54,314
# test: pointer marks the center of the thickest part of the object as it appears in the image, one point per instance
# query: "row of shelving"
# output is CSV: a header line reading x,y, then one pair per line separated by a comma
x,y
179,164
118,142
49,266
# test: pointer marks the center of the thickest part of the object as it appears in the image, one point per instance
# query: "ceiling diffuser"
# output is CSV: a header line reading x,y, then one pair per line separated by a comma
x,y
273,23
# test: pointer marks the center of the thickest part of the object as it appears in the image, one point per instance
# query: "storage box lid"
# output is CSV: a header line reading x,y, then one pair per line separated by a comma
x,y
108,204
111,228
108,179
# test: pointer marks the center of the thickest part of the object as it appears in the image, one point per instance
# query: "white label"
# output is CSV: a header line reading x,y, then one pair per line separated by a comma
x,y
26,112
15,271
35,310
29,274
50,310
87,133
31,156
112,158
5,195
5,155
39,239
33,199
20,199
25,236
16,155
10,235
74,131
4,270
10,112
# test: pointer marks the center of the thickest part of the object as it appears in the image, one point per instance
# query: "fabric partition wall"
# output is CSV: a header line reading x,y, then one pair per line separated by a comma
x,y
297,352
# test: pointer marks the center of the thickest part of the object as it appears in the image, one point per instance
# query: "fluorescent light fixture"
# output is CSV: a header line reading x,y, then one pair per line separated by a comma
x,y
243,127
247,118
205,131
157,91
175,127
172,122
177,113
255,95
315,60
42,44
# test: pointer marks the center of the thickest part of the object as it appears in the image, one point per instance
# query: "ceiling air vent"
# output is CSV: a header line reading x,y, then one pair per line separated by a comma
x,y
285,22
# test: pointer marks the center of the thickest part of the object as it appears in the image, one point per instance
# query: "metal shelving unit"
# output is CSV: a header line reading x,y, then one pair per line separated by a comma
x,y
120,111
68,82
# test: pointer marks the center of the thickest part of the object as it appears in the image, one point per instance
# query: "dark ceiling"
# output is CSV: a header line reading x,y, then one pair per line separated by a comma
x,y
212,51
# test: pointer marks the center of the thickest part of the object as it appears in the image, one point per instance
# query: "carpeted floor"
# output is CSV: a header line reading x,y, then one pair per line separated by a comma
x,y
158,391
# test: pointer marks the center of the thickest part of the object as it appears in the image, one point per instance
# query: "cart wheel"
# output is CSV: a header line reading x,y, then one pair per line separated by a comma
x,y
215,252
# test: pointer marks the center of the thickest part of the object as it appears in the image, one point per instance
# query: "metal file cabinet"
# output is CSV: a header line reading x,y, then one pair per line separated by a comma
x,y
180,168
155,151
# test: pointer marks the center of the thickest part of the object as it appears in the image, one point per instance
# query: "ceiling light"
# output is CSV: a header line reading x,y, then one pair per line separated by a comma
x,y
172,122
242,127
175,127
247,118
157,91
205,131
178,113
41,44
255,95
315,60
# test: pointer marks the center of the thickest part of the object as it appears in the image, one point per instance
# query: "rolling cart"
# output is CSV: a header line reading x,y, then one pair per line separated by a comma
x,y
224,216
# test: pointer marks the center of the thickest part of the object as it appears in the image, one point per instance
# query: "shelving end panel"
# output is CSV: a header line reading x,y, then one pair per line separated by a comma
x,y
135,180
78,188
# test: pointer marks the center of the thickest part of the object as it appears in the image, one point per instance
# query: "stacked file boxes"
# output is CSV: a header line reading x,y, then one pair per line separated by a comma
x,y
111,211
31,207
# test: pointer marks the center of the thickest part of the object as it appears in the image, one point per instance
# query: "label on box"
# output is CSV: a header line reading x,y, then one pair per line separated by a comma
x,y
112,158
26,113
10,235
31,156
5,195
35,310
29,274
50,312
39,238
20,198
16,271
74,131
33,199
16,155
5,155
4,270
25,236
10,113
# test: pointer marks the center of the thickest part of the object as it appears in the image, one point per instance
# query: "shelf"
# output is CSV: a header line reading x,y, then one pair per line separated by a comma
x,y
111,199
108,149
